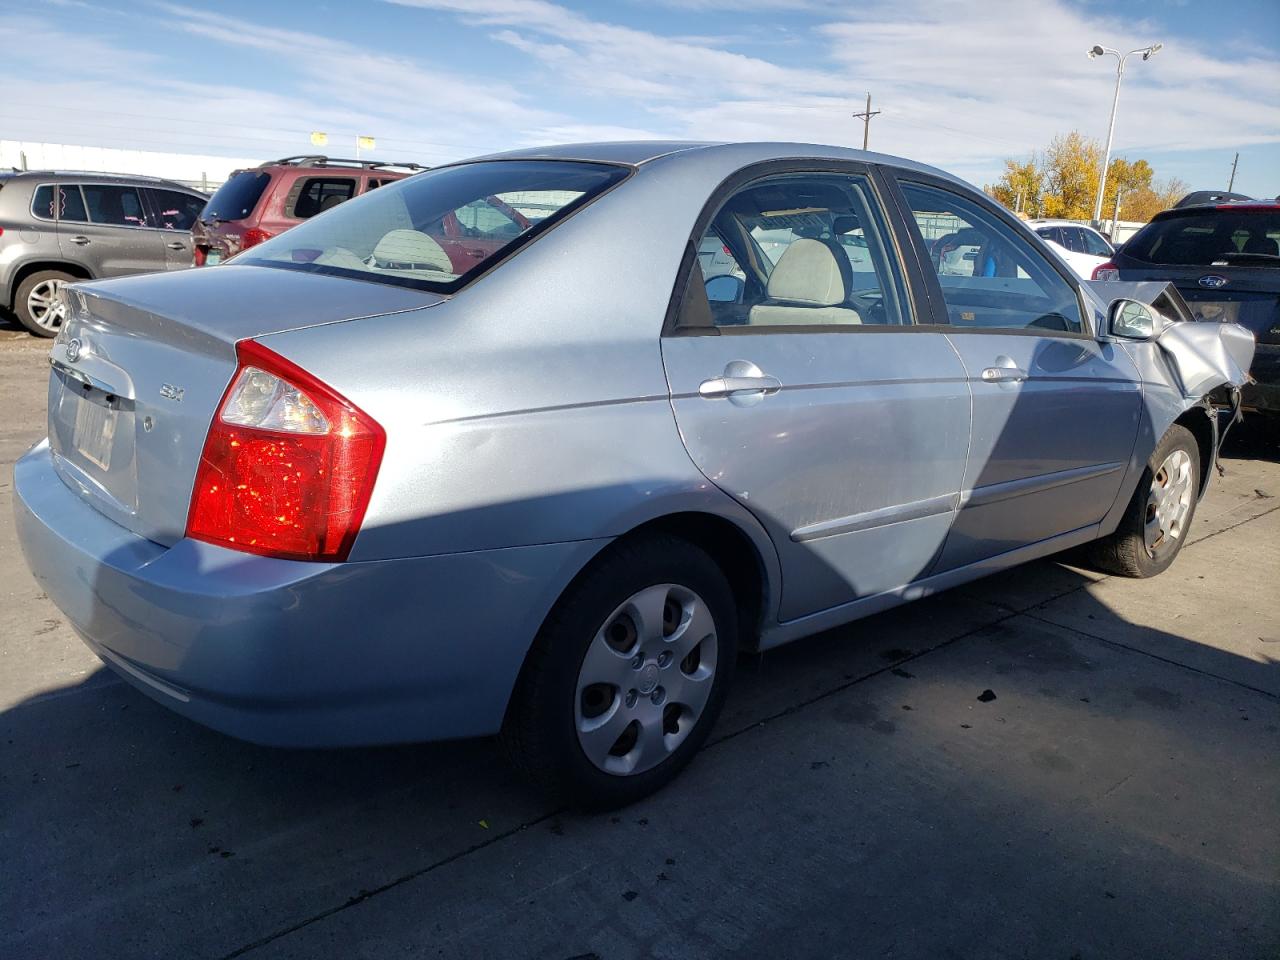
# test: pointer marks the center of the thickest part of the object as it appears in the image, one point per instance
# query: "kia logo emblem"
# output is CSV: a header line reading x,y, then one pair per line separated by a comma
x,y
73,350
1212,282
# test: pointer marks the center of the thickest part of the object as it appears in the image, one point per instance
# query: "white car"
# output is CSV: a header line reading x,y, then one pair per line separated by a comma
x,y
1082,247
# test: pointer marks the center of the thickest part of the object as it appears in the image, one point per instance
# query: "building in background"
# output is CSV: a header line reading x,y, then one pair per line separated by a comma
x,y
203,172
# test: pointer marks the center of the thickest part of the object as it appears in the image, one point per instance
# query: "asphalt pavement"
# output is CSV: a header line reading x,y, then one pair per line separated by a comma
x,y
1046,764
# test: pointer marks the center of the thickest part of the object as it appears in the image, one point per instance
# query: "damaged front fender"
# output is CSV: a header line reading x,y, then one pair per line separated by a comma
x,y
1200,355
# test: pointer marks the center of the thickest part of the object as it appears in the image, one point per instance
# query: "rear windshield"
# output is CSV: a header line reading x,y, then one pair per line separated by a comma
x,y
236,198
1206,237
435,230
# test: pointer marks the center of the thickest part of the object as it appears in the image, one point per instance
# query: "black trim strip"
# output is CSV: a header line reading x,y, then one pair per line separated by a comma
x,y
897,513
1008,489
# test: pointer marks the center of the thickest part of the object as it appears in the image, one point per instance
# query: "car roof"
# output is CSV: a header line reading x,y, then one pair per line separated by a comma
x,y
1227,206
731,155
97,175
1052,222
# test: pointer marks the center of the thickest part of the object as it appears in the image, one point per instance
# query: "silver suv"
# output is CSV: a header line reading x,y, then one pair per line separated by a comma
x,y
59,226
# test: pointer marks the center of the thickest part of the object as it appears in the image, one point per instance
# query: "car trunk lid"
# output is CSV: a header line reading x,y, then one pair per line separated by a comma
x,y
141,365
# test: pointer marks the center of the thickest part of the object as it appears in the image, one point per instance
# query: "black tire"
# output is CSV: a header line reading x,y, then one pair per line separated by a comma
x,y
1125,552
540,733
22,308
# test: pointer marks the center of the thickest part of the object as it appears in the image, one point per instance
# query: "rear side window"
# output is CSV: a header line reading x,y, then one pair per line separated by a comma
x,y
174,210
319,194
798,250
236,198
70,205
406,232
114,205
991,277
1203,237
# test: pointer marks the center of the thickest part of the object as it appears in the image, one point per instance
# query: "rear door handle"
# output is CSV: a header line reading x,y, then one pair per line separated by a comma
x,y
79,241
175,245
1003,374
724,386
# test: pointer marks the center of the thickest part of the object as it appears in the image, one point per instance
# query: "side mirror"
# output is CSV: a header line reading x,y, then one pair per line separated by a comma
x,y
726,288
1132,320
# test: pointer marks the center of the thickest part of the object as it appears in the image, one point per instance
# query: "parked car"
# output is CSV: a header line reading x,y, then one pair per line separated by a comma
x,y
264,201
1225,260
343,492
1081,246
59,226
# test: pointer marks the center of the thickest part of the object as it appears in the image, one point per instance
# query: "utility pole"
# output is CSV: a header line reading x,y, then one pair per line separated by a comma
x,y
1233,173
865,117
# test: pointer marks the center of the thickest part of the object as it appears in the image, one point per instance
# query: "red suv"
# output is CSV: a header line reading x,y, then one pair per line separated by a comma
x,y
256,204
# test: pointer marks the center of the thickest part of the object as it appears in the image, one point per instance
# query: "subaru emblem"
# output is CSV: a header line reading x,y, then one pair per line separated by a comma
x,y
1213,282
73,350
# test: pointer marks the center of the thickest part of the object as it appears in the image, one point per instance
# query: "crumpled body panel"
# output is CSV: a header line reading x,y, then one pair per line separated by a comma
x,y
1201,355
1204,356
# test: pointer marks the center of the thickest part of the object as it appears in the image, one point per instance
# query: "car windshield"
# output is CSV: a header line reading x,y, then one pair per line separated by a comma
x,y
1205,237
236,198
435,230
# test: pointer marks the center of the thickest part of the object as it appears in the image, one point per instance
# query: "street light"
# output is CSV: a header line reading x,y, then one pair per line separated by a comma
x,y
1097,51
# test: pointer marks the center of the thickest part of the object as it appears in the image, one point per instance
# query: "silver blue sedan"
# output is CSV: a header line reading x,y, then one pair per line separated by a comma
x,y
538,443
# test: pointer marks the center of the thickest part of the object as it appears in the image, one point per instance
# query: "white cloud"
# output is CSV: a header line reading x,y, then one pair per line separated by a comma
x,y
960,84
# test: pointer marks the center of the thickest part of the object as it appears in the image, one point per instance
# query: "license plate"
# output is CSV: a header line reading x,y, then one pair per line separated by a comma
x,y
95,432
213,258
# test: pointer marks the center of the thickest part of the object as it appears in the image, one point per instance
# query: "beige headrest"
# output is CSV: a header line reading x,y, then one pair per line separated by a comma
x,y
808,273
401,247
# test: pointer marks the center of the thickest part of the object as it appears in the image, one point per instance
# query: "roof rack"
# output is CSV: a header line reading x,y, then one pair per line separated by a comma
x,y
320,160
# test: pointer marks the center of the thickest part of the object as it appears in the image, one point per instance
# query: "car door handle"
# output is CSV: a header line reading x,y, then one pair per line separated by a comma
x,y
79,241
176,245
1003,375
726,386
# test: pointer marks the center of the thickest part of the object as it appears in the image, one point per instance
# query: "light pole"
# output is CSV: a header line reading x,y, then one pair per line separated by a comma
x,y
1098,51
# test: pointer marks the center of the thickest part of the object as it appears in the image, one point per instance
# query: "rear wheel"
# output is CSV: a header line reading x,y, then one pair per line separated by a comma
x,y
1156,522
36,302
627,676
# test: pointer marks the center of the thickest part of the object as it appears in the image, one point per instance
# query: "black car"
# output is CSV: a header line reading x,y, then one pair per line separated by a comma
x,y
1225,260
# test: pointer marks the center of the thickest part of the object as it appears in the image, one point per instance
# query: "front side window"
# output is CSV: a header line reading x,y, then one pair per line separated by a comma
x,y
174,210
68,206
800,250
991,276
114,205
405,232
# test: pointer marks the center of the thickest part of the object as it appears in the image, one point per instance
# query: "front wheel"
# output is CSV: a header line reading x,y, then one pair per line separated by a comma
x,y
1158,519
628,675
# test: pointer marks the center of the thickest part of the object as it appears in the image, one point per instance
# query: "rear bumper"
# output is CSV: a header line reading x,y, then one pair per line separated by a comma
x,y
288,653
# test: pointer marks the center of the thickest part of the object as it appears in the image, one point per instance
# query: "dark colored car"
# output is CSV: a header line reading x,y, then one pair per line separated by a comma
x,y
259,203
59,226
1225,260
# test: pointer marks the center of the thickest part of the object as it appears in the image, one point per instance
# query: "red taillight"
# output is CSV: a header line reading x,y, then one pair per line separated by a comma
x,y
1106,271
253,236
198,256
288,465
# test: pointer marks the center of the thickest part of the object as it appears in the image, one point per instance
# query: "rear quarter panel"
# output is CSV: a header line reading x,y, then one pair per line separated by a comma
x,y
532,407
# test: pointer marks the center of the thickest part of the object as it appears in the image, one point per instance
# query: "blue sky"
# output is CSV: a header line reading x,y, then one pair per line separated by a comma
x,y
962,83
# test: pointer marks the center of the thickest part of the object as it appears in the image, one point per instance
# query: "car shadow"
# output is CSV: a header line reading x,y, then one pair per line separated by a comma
x,y
128,824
